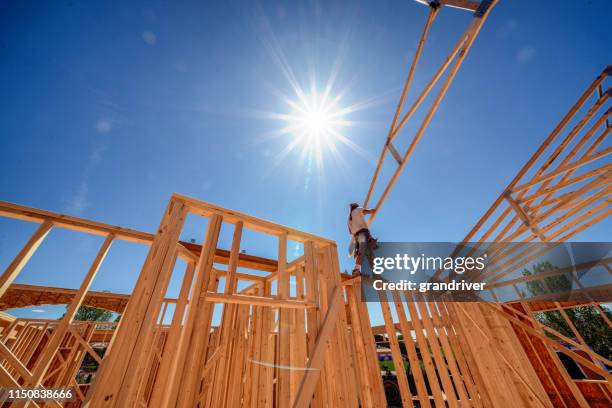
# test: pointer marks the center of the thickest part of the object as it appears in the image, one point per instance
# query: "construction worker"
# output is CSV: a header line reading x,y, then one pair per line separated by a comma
x,y
363,241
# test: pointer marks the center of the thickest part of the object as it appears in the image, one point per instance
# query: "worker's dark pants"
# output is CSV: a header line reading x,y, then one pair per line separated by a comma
x,y
363,250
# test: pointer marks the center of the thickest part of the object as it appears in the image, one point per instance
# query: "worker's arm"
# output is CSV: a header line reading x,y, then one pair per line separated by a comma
x,y
367,211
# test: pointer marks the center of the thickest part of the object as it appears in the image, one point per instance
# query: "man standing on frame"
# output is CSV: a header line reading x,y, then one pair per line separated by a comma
x,y
359,230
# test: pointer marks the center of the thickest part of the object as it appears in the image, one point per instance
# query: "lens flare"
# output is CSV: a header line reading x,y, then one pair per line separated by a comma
x,y
316,121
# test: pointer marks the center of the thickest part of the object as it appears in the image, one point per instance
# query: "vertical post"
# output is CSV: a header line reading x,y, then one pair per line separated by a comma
x,y
486,361
450,353
264,388
347,370
469,358
60,331
298,355
363,361
235,383
284,323
368,338
230,280
118,377
173,338
253,379
438,355
415,365
312,295
222,376
398,361
430,368
315,363
196,333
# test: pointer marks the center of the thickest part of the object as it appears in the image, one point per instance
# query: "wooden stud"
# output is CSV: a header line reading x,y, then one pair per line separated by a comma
x,y
284,329
398,361
315,362
58,334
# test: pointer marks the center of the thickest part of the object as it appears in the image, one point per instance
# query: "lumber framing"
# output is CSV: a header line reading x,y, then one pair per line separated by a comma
x,y
298,334
141,348
563,189
312,346
480,12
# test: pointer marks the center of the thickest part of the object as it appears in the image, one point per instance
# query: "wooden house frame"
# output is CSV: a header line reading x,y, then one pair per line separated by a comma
x,y
315,345
271,348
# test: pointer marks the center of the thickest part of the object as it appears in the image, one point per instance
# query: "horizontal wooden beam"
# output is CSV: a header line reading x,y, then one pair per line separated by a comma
x,y
257,301
21,295
22,212
244,260
207,209
25,213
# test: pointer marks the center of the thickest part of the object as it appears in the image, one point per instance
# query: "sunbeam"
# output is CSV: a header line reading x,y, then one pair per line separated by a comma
x,y
315,123
315,120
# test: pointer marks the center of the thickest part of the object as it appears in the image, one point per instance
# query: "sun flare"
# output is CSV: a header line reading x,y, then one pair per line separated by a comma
x,y
316,118
315,125
316,121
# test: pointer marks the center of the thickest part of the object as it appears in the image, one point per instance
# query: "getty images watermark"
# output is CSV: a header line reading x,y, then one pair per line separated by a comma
x,y
413,264
498,272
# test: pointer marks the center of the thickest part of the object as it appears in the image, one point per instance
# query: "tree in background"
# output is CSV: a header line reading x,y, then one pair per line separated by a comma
x,y
550,284
92,314
89,365
587,320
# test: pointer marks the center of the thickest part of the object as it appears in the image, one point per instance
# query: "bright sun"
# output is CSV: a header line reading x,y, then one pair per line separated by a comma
x,y
315,124
316,120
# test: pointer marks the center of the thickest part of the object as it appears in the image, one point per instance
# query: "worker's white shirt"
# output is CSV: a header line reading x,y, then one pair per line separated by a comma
x,y
358,222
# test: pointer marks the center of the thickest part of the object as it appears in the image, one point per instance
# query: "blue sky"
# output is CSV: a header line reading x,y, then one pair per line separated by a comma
x,y
110,107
